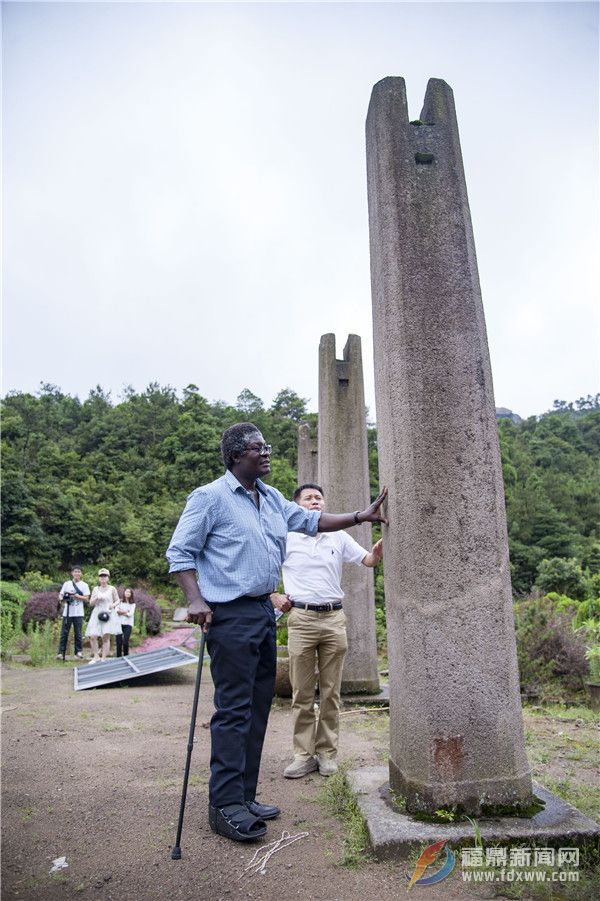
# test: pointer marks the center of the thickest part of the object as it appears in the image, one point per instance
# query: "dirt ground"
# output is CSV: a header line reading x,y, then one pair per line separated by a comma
x,y
96,776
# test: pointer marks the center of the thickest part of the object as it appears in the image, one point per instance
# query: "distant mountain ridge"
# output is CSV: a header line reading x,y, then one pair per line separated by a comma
x,y
505,413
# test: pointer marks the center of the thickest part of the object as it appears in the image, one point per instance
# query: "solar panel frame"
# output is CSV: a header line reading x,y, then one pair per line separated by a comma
x,y
121,669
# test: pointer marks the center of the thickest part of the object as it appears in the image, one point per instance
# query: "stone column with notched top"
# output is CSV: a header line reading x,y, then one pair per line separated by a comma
x,y
455,711
344,476
308,467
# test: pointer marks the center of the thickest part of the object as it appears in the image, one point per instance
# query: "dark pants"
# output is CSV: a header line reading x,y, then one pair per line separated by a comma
x,y
123,641
243,657
77,623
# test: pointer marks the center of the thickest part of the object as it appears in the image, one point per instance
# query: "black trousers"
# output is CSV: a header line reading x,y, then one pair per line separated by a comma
x,y
77,623
243,658
123,641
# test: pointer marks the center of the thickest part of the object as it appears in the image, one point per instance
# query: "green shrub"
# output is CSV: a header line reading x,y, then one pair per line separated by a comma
x,y
12,604
380,628
594,586
379,590
281,635
11,592
565,576
36,581
551,654
590,634
587,610
592,655
563,603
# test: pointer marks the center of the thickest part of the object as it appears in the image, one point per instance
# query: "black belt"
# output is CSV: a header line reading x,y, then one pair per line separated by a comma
x,y
320,608
252,597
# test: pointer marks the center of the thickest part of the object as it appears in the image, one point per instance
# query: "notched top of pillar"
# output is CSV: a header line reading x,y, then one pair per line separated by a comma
x,y
307,431
352,350
389,94
396,142
438,106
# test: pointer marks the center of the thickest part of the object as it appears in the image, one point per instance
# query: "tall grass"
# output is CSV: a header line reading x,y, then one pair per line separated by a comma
x,y
43,641
39,641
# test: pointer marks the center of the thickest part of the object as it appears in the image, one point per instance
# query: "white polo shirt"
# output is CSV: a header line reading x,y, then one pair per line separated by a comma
x,y
312,570
75,608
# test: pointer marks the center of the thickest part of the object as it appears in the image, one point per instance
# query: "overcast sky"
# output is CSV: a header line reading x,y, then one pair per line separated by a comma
x,y
185,188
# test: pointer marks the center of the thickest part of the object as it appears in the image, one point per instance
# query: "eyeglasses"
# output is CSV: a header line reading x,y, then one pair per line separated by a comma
x,y
262,449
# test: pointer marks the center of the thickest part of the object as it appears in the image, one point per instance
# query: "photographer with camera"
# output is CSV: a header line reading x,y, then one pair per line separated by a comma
x,y
73,593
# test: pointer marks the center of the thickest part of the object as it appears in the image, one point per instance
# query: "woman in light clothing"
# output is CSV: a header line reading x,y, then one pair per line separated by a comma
x,y
104,620
126,609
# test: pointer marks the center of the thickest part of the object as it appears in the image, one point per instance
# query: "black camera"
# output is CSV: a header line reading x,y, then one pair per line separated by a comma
x,y
67,596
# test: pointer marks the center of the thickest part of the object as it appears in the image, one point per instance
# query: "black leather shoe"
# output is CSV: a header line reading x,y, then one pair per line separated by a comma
x,y
236,822
264,811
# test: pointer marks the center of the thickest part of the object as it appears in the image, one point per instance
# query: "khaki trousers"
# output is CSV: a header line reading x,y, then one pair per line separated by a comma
x,y
316,638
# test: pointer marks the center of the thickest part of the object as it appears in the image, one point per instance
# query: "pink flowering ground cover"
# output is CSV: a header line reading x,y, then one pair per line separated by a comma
x,y
156,642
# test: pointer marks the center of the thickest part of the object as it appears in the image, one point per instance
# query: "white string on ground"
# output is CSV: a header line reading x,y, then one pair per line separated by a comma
x,y
262,855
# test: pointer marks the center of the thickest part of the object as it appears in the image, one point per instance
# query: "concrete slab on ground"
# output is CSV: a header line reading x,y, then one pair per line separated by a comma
x,y
394,835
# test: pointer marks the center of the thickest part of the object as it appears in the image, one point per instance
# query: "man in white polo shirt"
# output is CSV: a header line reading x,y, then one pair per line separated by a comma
x,y
73,593
312,574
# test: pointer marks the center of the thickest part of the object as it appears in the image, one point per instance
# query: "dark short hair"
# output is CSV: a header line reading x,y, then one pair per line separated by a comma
x,y
234,441
301,488
73,568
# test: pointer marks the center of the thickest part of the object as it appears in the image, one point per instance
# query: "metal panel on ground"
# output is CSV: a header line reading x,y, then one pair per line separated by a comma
x,y
122,668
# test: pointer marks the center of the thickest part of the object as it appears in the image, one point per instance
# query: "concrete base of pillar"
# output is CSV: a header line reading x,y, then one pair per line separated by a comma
x,y
428,797
379,698
394,836
363,686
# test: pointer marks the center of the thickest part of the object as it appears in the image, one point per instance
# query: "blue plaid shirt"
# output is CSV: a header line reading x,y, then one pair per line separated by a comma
x,y
236,547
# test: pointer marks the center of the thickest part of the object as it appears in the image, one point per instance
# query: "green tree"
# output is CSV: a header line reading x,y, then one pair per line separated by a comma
x,y
562,576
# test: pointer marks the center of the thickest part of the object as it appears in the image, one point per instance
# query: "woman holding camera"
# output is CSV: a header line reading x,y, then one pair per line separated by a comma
x,y
104,620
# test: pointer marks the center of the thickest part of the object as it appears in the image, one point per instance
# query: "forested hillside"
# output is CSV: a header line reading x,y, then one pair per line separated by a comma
x,y
103,482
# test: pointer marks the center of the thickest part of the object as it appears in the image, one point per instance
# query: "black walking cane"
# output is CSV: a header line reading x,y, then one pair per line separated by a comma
x,y
176,851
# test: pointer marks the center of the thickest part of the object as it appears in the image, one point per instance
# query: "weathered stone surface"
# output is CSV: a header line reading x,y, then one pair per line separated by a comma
x,y
283,685
456,724
344,475
308,455
394,835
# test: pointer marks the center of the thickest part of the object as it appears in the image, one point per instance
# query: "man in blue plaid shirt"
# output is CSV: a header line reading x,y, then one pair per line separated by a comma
x,y
226,552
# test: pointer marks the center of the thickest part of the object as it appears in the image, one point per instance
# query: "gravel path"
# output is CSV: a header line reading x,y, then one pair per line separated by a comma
x,y
95,776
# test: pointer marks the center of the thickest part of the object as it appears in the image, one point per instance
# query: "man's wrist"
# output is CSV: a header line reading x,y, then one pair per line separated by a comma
x,y
357,521
197,602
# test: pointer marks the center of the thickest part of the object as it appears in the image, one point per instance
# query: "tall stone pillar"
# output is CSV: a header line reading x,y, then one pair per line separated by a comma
x,y
344,476
308,466
455,712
